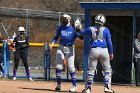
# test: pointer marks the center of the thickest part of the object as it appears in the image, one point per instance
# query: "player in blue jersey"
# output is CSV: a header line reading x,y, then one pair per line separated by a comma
x,y
101,49
66,48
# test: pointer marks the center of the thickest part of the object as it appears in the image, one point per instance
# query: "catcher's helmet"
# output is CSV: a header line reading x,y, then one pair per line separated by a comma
x,y
21,29
100,19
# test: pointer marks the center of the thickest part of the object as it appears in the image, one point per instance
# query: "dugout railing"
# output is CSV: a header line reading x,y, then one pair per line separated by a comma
x,y
41,62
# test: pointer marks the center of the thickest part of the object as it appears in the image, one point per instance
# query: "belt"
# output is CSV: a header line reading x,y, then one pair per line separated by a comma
x,y
99,47
66,44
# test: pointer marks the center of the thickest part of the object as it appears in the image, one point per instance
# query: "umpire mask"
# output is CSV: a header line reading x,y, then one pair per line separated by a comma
x,y
22,33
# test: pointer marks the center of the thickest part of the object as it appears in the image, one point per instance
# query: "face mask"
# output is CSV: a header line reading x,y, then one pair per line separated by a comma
x,y
21,33
65,21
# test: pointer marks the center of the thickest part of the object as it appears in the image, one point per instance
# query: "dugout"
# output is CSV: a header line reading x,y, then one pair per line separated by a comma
x,y
123,20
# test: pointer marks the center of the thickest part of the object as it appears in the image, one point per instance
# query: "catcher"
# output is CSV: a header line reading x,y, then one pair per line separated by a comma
x,y
101,48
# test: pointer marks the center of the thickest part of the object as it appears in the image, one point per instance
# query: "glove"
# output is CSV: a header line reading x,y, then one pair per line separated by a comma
x,y
13,45
77,24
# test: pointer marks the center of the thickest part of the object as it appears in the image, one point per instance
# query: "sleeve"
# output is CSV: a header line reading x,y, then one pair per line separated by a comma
x,y
109,41
27,41
86,31
136,46
14,42
56,36
80,35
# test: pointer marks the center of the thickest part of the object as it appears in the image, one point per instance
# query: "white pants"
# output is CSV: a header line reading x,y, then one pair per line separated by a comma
x,y
69,53
102,55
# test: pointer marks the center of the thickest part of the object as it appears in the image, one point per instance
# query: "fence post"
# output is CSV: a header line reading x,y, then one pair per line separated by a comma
x,y
8,59
5,56
47,62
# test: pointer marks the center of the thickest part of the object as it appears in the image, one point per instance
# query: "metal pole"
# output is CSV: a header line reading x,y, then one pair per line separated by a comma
x,y
132,69
45,62
27,23
59,18
86,45
5,58
5,30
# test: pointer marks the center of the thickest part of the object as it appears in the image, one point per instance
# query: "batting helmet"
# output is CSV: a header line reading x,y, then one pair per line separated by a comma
x,y
100,19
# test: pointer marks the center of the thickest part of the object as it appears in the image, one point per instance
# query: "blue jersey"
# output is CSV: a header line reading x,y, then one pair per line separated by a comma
x,y
67,35
100,38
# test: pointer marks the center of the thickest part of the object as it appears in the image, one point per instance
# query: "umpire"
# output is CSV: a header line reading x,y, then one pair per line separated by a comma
x,y
21,44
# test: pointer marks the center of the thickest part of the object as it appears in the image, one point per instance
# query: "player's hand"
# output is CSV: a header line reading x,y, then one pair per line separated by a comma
x,y
51,45
111,56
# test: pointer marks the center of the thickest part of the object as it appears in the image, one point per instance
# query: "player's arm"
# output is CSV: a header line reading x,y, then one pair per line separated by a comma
x,y
55,39
13,44
27,42
109,43
80,35
136,46
85,31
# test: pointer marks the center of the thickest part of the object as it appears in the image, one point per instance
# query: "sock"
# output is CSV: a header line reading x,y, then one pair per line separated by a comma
x,y
106,83
73,77
14,72
28,73
1,69
89,81
58,76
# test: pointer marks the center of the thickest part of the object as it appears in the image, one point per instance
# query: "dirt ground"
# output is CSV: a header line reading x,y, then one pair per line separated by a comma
x,y
24,86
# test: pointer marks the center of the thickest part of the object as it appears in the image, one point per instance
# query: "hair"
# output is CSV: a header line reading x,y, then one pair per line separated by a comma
x,y
136,35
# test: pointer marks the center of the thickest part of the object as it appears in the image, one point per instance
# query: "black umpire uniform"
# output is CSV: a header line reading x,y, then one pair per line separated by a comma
x,y
21,44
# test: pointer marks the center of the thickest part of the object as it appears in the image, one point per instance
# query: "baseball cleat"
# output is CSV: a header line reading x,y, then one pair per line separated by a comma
x,y
1,76
86,91
58,87
14,78
30,79
73,89
108,90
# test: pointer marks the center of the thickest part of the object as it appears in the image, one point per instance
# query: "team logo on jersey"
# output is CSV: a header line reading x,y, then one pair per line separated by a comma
x,y
66,33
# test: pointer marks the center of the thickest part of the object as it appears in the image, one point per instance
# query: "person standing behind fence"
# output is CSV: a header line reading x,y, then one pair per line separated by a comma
x,y
21,44
1,57
101,49
137,58
66,49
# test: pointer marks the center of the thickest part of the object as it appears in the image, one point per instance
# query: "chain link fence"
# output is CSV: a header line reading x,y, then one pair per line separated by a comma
x,y
35,61
40,27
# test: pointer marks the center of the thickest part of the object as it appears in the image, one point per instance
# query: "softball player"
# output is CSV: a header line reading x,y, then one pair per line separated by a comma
x,y
99,39
66,49
21,44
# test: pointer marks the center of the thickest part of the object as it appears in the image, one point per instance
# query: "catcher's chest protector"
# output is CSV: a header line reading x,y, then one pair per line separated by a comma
x,y
21,39
97,34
